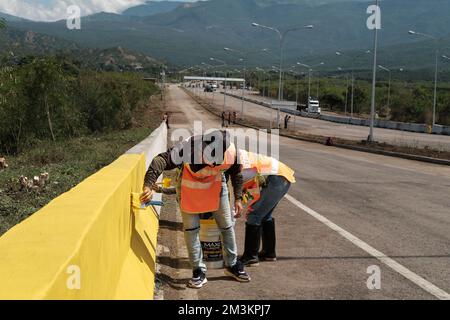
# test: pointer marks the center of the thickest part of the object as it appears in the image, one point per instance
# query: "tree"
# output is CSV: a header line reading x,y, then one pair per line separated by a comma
x,y
332,100
360,100
45,88
411,106
2,23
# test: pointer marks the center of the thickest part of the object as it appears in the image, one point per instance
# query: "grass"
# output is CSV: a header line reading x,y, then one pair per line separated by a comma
x,y
68,162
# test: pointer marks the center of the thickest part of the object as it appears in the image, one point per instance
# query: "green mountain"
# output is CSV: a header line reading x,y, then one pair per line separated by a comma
x,y
18,43
303,2
9,17
193,32
116,59
151,8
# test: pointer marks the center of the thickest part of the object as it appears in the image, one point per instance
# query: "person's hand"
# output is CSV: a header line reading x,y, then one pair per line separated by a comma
x,y
238,208
146,196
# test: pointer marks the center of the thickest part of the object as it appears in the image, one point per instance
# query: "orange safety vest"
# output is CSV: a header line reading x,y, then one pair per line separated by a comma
x,y
200,191
251,192
264,166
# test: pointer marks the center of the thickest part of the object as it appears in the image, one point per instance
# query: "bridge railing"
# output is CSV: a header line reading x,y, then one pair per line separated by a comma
x,y
91,242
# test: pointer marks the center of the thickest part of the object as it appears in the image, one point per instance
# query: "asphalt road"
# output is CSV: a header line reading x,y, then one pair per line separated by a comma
x,y
330,129
347,209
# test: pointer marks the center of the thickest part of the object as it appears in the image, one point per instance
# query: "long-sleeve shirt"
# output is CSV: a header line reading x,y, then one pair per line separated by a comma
x,y
164,162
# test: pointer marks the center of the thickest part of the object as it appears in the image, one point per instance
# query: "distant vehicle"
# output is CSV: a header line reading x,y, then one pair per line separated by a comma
x,y
209,88
313,106
301,107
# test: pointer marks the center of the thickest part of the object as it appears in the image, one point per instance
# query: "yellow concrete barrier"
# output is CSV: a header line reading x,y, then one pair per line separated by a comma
x,y
89,243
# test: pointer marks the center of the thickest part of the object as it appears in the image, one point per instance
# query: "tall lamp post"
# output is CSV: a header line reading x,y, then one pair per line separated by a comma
x,y
264,84
446,58
163,80
347,80
346,89
374,81
389,86
245,56
282,37
310,70
203,70
296,74
223,63
435,70
184,71
352,103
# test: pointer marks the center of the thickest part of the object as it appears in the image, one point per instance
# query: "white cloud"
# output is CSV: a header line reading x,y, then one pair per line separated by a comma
x,y
51,10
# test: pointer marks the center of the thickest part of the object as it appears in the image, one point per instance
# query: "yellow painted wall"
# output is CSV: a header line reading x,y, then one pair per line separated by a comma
x,y
94,227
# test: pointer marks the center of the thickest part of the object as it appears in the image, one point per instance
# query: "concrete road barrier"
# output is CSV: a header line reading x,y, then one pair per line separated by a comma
x,y
91,242
438,129
446,131
357,122
411,127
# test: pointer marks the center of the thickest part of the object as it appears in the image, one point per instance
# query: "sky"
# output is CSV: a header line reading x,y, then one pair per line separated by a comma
x,y
51,10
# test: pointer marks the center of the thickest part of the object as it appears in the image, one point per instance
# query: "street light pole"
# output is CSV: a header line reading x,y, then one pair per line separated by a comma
x,y
389,86
346,90
338,53
264,80
346,94
374,82
296,74
318,83
210,66
163,80
435,70
310,70
435,87
282,36
225,82
245,61
309,84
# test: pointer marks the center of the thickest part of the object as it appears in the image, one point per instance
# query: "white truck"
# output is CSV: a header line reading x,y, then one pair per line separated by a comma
x,y
313,106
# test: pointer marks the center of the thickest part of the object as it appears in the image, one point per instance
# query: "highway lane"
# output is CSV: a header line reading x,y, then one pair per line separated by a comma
x,y
399,207
331,129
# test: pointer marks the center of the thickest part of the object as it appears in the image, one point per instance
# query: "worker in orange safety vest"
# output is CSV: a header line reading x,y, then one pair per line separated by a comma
x,y
202,188
266,182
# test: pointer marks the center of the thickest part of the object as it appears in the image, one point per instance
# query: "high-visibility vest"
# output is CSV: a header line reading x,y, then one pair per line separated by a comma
x,y
263,166
266,166
200,191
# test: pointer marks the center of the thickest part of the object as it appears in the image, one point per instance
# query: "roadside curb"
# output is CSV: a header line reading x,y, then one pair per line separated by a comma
x,y
343,146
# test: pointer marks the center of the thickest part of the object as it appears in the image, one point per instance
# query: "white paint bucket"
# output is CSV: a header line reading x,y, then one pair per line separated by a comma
x,y
211,244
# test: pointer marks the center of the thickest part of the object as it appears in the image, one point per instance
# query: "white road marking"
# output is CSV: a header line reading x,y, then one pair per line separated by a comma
x,y
408,274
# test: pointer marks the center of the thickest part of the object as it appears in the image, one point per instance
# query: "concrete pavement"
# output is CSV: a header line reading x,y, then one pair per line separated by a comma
x,y
399,207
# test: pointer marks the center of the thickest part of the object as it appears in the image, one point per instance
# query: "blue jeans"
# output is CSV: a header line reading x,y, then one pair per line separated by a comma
x,y
275,189
225,222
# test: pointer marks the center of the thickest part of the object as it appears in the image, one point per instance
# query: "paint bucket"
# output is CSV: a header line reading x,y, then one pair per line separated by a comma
x,y
211,242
